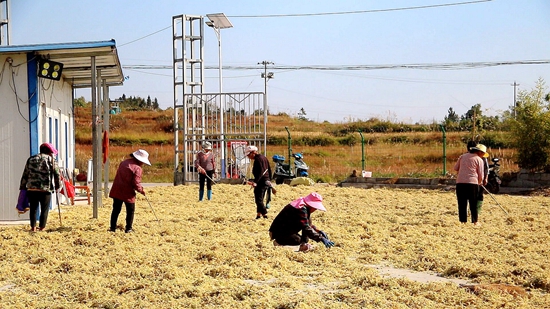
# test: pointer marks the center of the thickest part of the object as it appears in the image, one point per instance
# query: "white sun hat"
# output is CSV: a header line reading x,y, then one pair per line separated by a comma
x,y
250,149
142,156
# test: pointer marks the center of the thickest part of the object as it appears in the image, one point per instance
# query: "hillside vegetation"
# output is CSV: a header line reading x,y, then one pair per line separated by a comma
x,y
332,150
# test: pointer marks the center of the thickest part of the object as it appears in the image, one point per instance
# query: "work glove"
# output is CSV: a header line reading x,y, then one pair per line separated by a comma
x,y
323,234
327,242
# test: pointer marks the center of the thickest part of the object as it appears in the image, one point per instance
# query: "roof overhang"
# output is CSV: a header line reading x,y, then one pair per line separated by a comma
x,y
77,60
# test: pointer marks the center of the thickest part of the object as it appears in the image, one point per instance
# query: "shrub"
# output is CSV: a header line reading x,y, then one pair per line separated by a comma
x,y
164,123
349,140
118,122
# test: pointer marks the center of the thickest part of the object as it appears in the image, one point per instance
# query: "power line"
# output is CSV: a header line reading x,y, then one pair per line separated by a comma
x,y
361,12
363,67
327,13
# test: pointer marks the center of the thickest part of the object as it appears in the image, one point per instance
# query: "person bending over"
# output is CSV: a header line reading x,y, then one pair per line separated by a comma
x,y
295,218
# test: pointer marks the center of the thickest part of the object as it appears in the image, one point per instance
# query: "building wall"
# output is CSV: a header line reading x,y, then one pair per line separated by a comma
x,y
19,133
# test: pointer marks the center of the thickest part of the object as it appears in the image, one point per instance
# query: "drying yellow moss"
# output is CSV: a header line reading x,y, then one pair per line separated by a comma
x,y
214,254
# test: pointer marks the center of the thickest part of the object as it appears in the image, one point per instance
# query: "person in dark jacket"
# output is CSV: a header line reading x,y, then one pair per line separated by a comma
x,y
205,163
40,177
296,217
261,170
127,182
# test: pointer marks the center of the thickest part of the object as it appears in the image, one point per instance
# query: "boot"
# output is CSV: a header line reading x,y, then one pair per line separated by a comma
x,y
209,194
201,195
479,207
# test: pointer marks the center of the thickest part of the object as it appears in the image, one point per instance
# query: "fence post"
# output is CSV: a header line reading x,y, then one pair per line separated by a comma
x,y
362,150
289,147
444,150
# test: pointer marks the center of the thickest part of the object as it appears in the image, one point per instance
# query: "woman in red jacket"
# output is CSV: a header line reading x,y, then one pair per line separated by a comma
x,y
127,182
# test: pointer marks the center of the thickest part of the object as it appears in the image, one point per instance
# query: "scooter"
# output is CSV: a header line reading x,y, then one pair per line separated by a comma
x,y
493,178
284,171
300,166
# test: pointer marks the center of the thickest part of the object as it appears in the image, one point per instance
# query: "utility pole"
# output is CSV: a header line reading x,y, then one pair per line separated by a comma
x,y
266,76
515,102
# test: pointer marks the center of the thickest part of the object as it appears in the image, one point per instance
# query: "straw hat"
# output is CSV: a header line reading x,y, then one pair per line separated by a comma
x,y
482,148
142,156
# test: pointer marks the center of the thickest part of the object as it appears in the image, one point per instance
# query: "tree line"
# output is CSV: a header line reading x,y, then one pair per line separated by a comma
x,y
131,103
526,124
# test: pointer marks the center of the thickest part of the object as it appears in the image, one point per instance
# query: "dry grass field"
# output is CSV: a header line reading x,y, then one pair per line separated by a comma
x,y
214,254
403,154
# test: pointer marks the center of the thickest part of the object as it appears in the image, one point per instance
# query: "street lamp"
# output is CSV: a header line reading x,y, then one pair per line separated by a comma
x,y
217,22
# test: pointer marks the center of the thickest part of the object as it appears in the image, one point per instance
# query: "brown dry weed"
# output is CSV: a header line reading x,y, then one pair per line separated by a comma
x,y
214,254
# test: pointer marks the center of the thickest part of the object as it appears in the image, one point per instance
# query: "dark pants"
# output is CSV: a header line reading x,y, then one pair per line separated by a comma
x,y
259,195
43,199
117,207
203,179
290,240
467,193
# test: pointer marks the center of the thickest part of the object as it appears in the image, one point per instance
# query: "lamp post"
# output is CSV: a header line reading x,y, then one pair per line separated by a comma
x,y
217,22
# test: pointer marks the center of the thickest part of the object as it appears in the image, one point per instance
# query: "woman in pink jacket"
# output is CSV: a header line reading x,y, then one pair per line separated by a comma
x,y
470,176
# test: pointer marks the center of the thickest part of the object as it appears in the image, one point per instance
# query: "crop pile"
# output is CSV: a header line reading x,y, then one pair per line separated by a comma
x,y
214,254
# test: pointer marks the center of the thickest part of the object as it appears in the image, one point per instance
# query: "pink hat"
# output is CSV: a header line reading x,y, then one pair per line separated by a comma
x,y
313,200
50,147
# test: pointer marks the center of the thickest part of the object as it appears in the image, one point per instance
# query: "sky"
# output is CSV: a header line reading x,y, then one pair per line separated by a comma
x,y
380,39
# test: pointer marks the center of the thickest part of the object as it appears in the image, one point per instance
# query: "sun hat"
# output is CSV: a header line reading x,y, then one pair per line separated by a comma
x,y
207,145
482,148
142,156
250,149
313,200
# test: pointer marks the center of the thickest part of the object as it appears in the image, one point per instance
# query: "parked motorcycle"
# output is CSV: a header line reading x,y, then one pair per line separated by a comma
x,y
493,179
284,171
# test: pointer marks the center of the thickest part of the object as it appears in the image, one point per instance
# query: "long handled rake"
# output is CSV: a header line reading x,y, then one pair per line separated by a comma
x,y
212,180
152,209
494,199
58,208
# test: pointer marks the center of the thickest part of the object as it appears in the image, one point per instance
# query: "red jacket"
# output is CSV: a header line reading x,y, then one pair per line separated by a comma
x,y
127,181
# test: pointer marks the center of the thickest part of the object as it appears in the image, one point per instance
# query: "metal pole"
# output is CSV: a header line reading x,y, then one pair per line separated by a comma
x,y
289,147
94,138
222,105
266,104
444,150
265,117
106,116
362,150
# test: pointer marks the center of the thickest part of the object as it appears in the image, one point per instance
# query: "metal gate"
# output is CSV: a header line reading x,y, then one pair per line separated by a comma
x,y
230,121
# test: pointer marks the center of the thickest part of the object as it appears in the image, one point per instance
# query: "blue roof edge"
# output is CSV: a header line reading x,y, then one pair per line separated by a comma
x,y
54,46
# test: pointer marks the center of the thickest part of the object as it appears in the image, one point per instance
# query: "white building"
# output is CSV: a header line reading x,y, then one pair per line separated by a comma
x,y
35,110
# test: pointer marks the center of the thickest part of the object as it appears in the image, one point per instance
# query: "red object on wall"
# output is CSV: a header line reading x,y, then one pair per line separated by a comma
x,y
105,146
